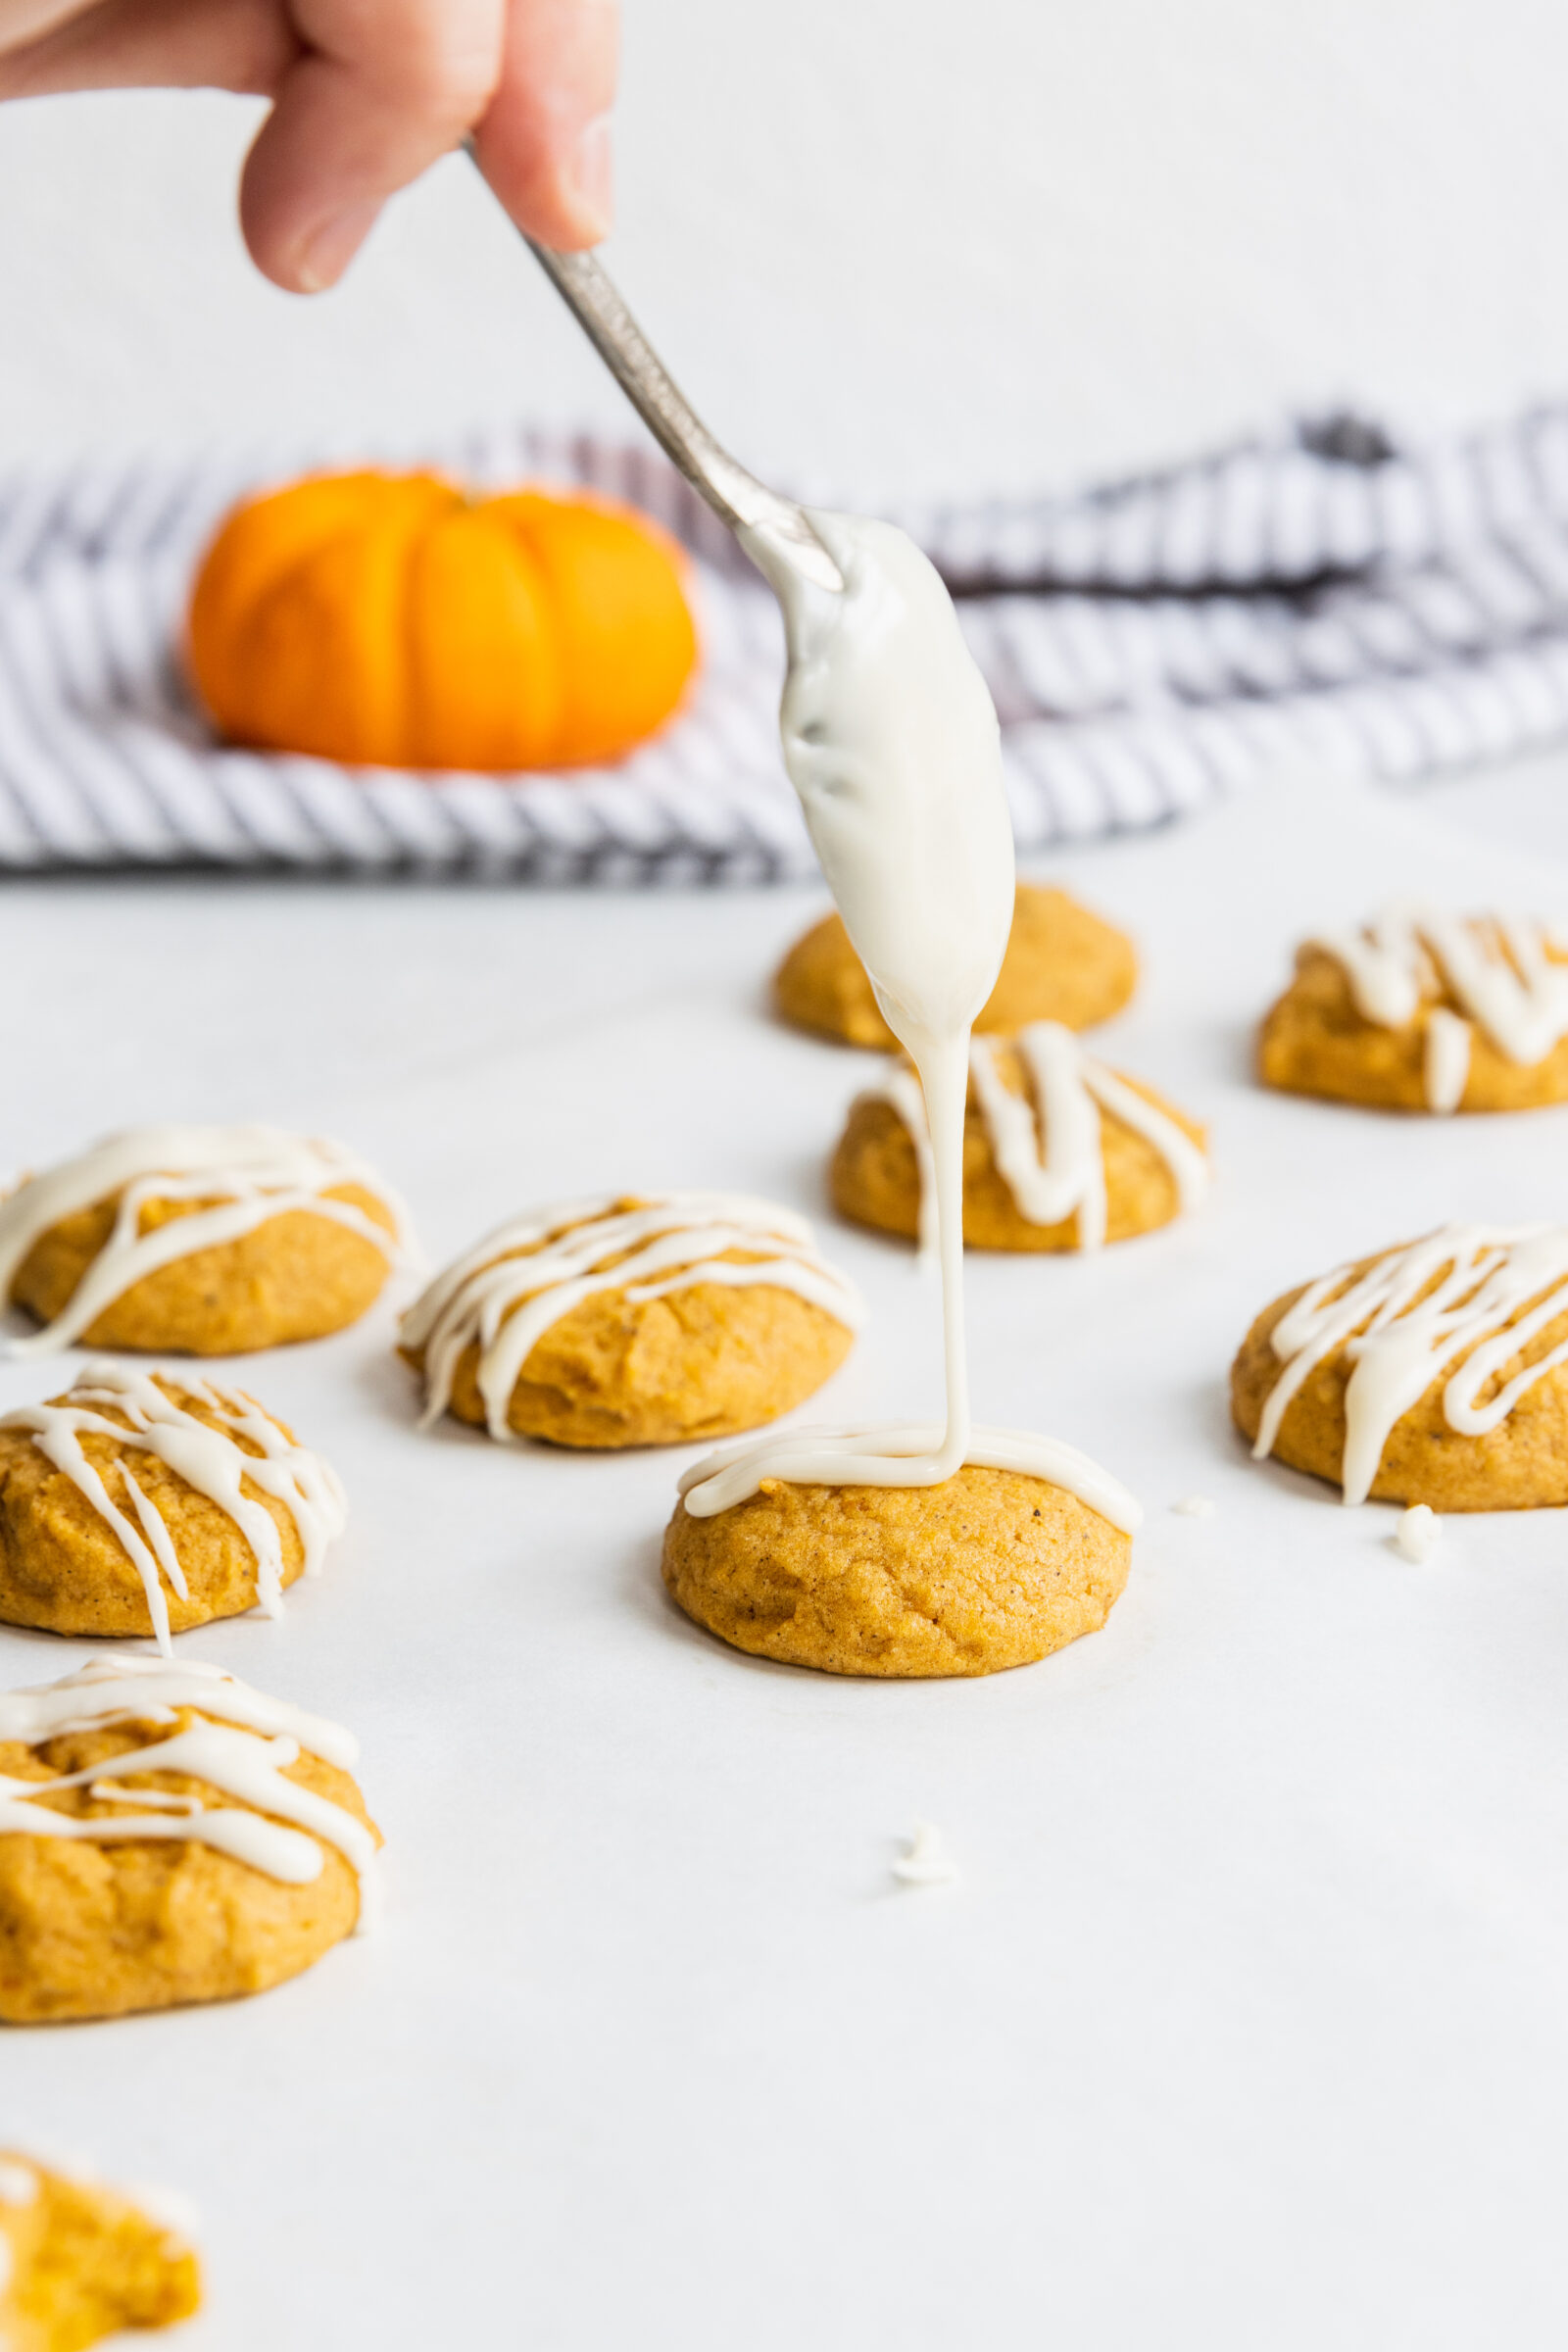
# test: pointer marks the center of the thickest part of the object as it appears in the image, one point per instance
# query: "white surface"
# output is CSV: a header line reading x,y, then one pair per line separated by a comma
x,y
1244,2026
893,248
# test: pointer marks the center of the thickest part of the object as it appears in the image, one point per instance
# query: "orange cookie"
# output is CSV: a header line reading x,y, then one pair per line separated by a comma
x,y
640,1321
1424,1010
1059,1152
1062,963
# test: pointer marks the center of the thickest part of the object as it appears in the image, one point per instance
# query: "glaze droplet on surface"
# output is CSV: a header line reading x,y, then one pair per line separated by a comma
x,y
1415,1537
928,1863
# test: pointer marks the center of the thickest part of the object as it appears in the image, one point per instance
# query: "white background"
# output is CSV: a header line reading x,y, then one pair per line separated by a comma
x,y
893,246
1245,2026
1245,2031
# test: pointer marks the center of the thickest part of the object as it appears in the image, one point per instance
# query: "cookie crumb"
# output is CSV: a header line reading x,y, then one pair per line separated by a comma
x,y
1192,1506
928,1862
1416,1536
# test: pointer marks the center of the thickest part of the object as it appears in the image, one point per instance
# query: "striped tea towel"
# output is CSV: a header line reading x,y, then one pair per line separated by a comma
x,y
1314,595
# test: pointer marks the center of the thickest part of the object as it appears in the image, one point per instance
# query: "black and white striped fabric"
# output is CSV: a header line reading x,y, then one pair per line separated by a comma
x,y
1321,596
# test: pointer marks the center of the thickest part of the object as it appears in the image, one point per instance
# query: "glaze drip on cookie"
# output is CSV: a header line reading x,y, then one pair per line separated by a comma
x,y
1051,1164
507,1291
241,1743
1501,972
890,740
140,1413
242,1175
812,1457
1480,1291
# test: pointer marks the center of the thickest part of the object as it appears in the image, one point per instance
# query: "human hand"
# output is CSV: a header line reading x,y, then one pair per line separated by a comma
x,y
366,94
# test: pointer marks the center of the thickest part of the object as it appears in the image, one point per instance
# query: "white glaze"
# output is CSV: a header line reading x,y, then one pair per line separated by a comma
x,y
1416,1539
1446,1063
890,740
928,1862
1498,971
506,1293
1482,1278
249,1173
881,1457
1051,1158
211,1461
20,2184
1194,1506
241,1743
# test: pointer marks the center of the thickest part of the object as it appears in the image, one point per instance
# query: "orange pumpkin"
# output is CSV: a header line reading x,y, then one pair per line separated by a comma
x,y
387,620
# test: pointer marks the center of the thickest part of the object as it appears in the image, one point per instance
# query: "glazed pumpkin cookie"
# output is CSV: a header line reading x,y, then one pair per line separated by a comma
x,y
1425,1011
198,1241
1059,1152
1434,1373
137,1504
995,1567
78,2261
640,1321
1062,963
391,619
168,1835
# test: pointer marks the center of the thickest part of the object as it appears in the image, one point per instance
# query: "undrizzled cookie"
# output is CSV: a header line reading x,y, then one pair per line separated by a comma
x,y
1063,963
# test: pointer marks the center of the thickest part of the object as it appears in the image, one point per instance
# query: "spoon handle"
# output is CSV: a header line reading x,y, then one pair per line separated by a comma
x,y
736,496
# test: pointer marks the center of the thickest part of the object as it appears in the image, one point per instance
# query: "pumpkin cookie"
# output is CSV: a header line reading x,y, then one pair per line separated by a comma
x,y
136,1504
1425,1011
994,1568
198,1241
168,1835
1436,1372
640,1321
80,2261
1062,963
1059,1152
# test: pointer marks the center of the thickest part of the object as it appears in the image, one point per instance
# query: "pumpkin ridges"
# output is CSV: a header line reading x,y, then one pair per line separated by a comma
x,y
324,648
258,545
492,699
385,618
628,641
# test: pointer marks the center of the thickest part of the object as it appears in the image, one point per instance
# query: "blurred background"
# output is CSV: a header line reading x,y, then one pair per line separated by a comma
x,y
896,249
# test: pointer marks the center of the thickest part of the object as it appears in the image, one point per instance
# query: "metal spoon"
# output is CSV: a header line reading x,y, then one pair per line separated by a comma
x,y
736,497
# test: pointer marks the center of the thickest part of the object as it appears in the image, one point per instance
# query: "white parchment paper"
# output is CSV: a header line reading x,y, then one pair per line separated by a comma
x,y
1244,2026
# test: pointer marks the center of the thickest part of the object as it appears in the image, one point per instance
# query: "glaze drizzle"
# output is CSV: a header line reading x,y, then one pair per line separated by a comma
x,y
246,1174
1498,971
507,1291
1461,1291
1053,1164
876,1458
136,1410
241,1745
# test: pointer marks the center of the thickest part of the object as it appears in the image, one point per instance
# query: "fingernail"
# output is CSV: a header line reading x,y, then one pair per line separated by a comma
x,y
327,252
589,175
